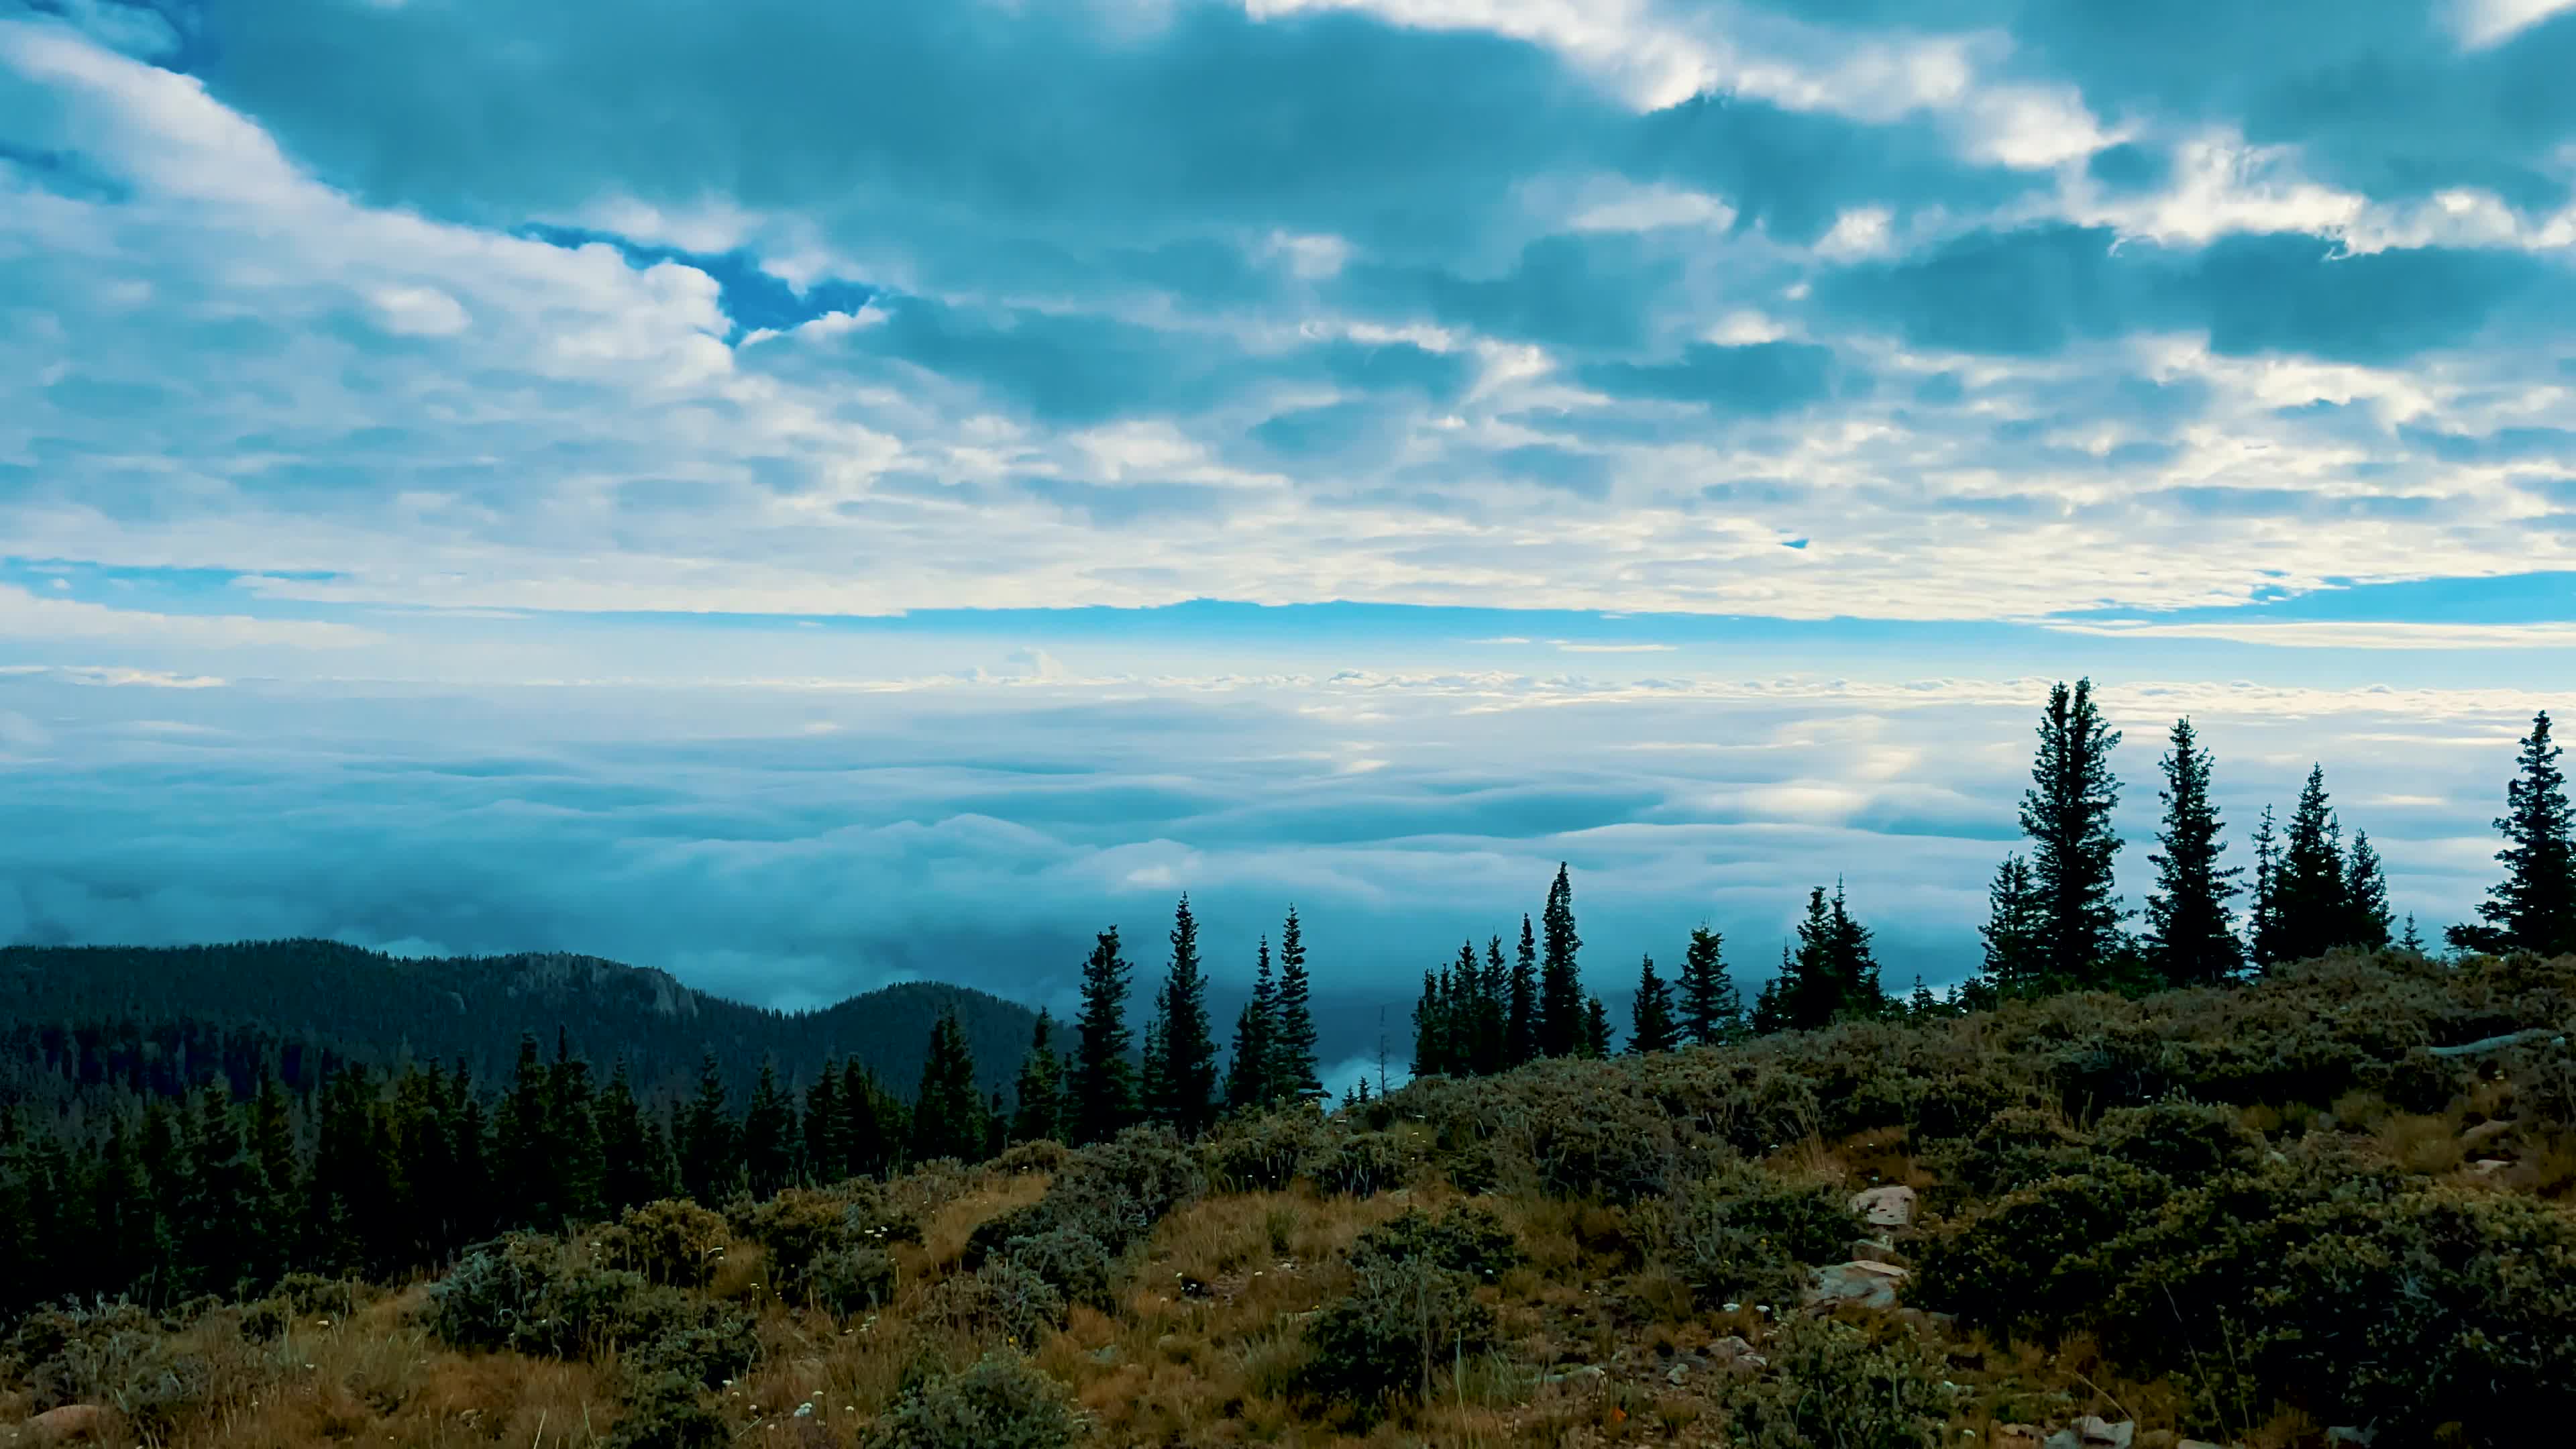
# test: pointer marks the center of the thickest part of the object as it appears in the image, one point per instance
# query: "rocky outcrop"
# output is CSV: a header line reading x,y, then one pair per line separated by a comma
x,y
1891,1206
1862,1284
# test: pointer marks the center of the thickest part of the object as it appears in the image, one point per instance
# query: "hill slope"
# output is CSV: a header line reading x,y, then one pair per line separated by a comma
x,y
73,1016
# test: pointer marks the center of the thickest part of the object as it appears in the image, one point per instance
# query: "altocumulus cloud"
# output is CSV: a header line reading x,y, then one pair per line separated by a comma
x,y
451,345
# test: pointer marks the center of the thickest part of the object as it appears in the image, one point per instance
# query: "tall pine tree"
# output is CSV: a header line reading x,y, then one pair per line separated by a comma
x,y
2067,815
2365,889
1292,1041
1712,1012
2534,907
948,1113
2263,909
1521,1009
1560,978
1184,1097
768,1135
1247,1067
2191,936
2014,933
1651,1026
1101,1097
2311,907
710,1159
1038,1102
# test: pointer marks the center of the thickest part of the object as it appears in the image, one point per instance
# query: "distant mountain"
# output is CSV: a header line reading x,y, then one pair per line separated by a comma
x,y
154,1018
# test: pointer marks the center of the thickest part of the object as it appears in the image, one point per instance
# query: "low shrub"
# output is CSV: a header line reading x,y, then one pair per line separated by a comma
x,y
1001,1300
116,1355
1042,1155
1467,1239
673,1242
493,1291
2038,1260
1402,1321
522,1294
311,1295
1073,1262
2013,1149
1742,1231
1361,1165
1002,1401
1114,1191
2183,1141
720,1345
1268,1152
1831,1384
669,1412
851,1280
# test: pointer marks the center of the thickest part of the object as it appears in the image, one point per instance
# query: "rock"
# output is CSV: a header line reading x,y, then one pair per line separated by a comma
x,y
2093,1430
71,1421
1891,1206
1877,1250
2063,1439
1591,1373
1870,1285
2198,1444
2485,1166
2013,1436
2484,1133
2346,1434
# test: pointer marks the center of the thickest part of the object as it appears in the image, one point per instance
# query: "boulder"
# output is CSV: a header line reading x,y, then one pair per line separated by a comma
x,y
2013,1436
2484,1133
1870,1285
68,1423
1877,1250
1891,1206
1735,1355
2487,1166
2098,1433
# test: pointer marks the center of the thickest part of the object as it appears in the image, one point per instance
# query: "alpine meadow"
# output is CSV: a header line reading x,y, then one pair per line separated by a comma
x,y
1336,724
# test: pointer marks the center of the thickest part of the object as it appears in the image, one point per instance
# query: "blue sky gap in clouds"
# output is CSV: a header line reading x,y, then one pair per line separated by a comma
x,y
1678,437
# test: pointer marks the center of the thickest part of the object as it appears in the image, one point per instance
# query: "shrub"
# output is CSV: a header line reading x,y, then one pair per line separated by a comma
x,y
674,1242
1469,1240
1001,1402
1742,1230
1115,1191
311,1295
2014,1149
999,1300
1362,1165
2184,1141
1402,1319
719,1346
45,1333
668,1412
493,1290
116,1355
520,1294
2037,1259
1070,1260
851,1280
795,1227
1043,1155
1268,1152
1830,1384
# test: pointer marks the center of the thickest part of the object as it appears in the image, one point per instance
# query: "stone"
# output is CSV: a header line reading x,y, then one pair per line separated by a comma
x,y
71,1421
2198,1444
1870,1285
1877,1250
2013,1436
1891,1206
2484,1133
1591,1373
2099,1433
2487,1166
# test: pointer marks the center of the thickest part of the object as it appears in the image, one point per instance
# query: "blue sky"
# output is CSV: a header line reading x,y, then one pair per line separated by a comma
x,y
805,494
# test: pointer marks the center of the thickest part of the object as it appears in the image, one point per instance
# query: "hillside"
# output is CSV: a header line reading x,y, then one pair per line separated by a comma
x,y
162,1018
2330,1206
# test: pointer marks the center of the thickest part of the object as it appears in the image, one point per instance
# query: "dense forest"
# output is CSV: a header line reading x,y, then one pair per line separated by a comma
x,y
203,1126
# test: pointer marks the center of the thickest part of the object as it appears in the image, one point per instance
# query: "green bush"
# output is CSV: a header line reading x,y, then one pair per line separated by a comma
x,y
311,1295
1361,1165
1043,1155
794,1228
669,1412
2040,1258
1001,1300
2013,1149
116,1355
1743,1231
1467,1239
494,1290
674,1242
1403,1318
851,1280
1829,1384
1114,1191
715,1348
521,1294
1268,1152
1001,1402
2184,1141
1073,1262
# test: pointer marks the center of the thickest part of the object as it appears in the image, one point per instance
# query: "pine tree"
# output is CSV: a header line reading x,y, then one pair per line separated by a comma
x,y
273,1148
947,1113
572,1131
2413,941
2263,912
1292,1042
1520,1023
1186,1099
821,1150
710,1160
1430,1049
1833,973
635,1166
1595,1042
872,1123
1922,1005
1102,1095
523,1145
1493,1008
2067,814
768,1135
1560,979
1712,1012
219,1206
2311,906
2534,907
2191,939
2365,896
1038,1093
1247,1066
2014,931
1651,1026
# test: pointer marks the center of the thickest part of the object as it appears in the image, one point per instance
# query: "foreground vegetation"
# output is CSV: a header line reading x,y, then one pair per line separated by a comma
x,y
2337,1199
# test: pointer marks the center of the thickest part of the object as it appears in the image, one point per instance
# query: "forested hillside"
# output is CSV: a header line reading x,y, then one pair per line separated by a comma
x,y
165,1021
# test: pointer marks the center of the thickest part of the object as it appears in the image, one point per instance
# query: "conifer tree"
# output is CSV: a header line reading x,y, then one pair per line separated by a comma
x,y
2534,907
1651,1025
948,1113
273,1147
1922,1005
1712,1012
872,1123
710,1160
523,1146
821,1150
1292,1044
2191,940
2365,896
2263,910
572,1131
634,1162
219,1207
1430,1049
1833,973
769,1135
1102,1095
1521,1012
1493,1008
1039,1091
1186,1096
1247,1065
2013,932
2311,906
1560,979
1595,1042
2067,814
2413,941
1153,1069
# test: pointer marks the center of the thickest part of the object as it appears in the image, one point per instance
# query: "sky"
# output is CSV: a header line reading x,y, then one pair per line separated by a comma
x,y
806,495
